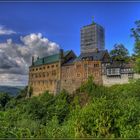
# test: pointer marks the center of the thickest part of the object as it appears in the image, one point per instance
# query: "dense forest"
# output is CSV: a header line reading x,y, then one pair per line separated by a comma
x,y
93,111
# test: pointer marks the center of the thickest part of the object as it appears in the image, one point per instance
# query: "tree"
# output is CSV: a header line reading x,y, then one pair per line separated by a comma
x,y
119,53
136,34
4,99
136,31
23,93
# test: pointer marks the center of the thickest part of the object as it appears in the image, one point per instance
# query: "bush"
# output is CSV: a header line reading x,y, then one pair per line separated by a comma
x,y
92,112
4,99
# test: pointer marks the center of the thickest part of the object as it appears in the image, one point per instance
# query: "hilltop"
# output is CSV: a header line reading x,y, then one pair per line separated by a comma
x,y
93,111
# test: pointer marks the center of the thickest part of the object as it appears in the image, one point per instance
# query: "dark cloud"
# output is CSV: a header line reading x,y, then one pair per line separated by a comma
x,y
6,62
15,58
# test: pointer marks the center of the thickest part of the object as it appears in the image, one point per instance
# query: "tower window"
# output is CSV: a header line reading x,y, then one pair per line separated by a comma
x,y
78,74
96,65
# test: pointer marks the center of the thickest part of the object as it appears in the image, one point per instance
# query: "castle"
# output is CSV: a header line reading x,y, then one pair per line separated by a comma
x,y
65,70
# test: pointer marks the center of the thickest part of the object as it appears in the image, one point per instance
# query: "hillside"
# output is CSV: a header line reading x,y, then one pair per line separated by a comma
x,y
13,91
91,112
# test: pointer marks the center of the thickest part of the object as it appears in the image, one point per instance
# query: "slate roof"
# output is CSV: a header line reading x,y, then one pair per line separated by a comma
x,y
69,62
49,59
120,65
94,55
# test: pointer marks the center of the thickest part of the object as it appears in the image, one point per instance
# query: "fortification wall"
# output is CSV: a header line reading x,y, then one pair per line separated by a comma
x,y
74,75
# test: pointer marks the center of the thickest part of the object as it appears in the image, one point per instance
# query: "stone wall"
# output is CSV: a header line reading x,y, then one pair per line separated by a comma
x,y
74,75
123,79
45,78
54,77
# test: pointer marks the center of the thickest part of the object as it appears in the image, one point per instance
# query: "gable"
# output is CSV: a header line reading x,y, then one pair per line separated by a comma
x,y
106,57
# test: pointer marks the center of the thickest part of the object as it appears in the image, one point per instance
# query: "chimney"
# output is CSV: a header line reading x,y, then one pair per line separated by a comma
x,y
32,60
37,57
61,53
43,60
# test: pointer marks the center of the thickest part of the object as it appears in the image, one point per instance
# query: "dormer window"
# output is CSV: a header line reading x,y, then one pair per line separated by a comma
x,y
90,58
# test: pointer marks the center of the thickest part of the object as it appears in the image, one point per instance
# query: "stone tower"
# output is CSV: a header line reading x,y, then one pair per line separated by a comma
x,y
92,38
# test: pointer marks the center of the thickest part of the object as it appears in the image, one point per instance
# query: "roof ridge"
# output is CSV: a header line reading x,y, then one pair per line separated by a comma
x,y
54,54
50,58
51,55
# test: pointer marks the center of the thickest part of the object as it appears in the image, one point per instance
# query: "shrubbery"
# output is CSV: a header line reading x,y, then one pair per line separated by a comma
x,y
92,112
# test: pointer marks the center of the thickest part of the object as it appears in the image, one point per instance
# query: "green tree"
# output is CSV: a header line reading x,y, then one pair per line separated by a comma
x,y
23,93
4,99
136,34
119,53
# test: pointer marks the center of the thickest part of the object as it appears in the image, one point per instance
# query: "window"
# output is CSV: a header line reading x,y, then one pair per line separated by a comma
x,y
91,58
67,69
56,65
52,66
48,67
96,74
78,66
50,82
113,71
78,74
85,66
32,75
130,75
96,65
53,72
109,71
73,80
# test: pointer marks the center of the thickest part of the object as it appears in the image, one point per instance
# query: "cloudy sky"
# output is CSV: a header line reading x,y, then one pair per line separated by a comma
x,y
40,29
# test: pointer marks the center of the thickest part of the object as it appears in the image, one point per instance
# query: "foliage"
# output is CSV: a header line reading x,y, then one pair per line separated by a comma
x,y
88,86
92,112
23,93
136,31
4,98
136,34
137,64
119,53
